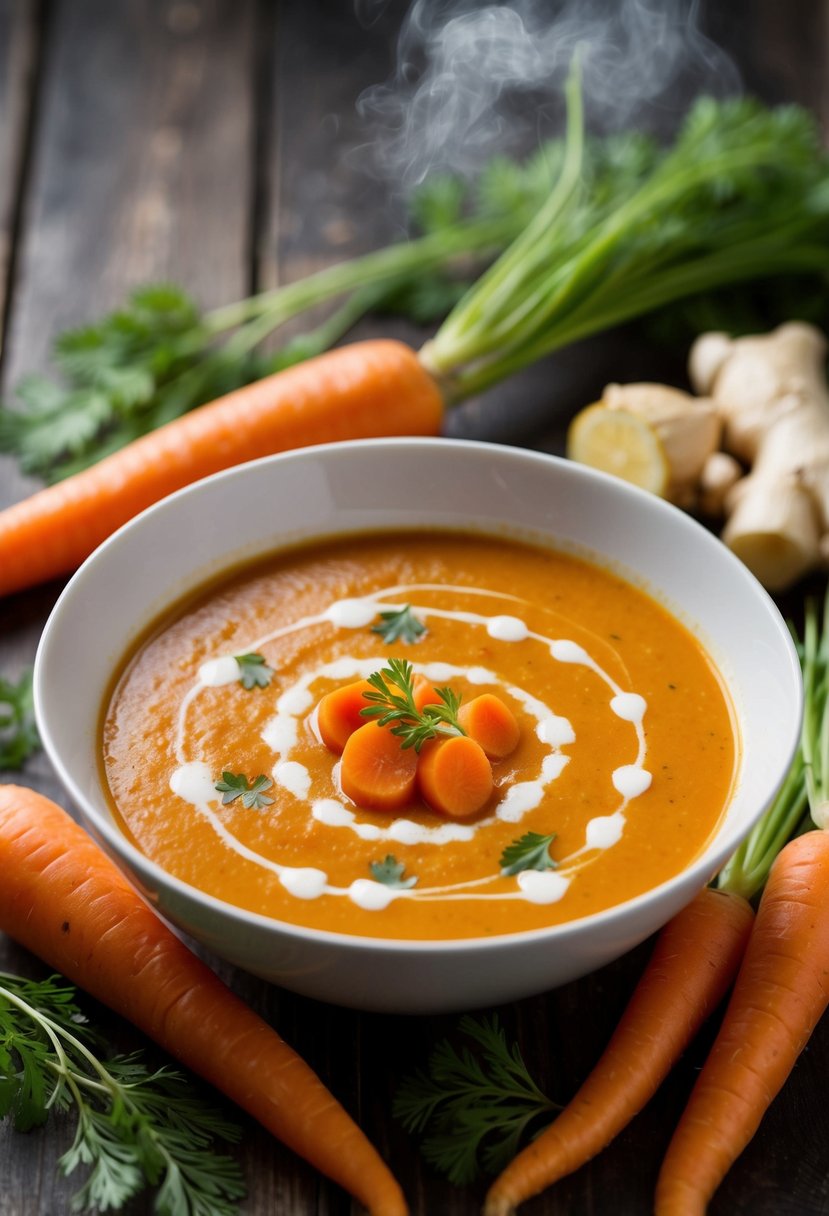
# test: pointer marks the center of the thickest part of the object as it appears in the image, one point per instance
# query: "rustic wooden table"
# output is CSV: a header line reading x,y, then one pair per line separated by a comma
x,y
200,141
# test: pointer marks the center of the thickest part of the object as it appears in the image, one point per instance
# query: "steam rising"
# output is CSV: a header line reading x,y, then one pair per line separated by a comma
x,y
474,80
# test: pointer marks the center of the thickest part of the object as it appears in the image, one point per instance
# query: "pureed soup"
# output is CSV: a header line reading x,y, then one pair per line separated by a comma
x,y
624,762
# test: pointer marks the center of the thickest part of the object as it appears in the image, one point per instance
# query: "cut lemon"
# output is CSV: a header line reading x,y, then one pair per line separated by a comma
x,y
620,443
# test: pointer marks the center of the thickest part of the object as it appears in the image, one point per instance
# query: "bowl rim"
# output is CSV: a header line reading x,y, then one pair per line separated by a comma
x,y
702,867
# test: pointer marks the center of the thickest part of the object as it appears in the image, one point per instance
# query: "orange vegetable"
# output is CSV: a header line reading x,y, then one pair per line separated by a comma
x,y
367,389
455,776
781,992
424,693
338,715
693,963
62,898
492,724
376,771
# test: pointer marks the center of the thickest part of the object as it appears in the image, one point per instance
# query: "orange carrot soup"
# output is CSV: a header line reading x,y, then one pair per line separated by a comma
x,y
420,736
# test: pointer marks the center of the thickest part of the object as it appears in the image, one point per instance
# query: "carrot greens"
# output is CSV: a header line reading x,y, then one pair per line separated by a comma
x,y
136,1127
743,193
18,732
472,1106
803,800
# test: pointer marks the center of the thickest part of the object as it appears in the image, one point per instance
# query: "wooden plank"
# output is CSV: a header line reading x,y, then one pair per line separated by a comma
x,y
18,53
141,170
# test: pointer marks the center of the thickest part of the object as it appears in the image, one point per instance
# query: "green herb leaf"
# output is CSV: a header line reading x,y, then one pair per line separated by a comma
x,y
400,625
18,732
135,1127
393,704
472,1106
235,785
529,852
390,871
254,672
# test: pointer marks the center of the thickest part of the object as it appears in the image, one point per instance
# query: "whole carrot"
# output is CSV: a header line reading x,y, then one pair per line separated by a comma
x,y
360,391
62,898
694,960
781,992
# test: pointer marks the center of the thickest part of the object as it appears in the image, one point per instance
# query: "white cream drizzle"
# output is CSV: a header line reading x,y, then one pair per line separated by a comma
x,y
194,782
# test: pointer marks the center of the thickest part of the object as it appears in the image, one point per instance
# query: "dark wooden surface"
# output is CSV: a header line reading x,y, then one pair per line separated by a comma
x,y
203,141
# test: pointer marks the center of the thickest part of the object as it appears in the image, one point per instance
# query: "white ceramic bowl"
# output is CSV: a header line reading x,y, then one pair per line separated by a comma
x,y
345,488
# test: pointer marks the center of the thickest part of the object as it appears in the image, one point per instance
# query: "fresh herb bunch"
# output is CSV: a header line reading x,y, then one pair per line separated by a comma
x,y
18,732
392,702
135,1127
742,193
159,356
472,1106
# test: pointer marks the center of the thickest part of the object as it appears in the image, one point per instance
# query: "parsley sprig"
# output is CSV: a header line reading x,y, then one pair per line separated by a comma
x,y
252,793
254,672
472,1106
530,852
18,732
392,702
390,871
136,1127
400,625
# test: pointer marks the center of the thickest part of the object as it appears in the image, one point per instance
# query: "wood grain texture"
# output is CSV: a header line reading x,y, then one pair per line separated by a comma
x,y
212,141
19,44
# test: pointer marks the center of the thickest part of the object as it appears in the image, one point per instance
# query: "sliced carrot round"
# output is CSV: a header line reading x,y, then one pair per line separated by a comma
x,y
376,772
424,693
338,715
455,776
492,724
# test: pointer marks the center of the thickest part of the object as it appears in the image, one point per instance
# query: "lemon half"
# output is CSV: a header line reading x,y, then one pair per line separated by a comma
x,y
620,443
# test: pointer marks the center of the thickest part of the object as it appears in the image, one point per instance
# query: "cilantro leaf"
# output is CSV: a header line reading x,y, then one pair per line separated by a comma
x,y
390,872
254,672
18,732
529,852
235,785
399,625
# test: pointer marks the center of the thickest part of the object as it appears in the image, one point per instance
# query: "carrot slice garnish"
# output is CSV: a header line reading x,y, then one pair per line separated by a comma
x,y
492,724
455,776
338,715
377,773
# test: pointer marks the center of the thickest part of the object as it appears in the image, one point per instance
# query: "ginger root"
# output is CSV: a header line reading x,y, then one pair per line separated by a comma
x,y
688,430
772,396
765,400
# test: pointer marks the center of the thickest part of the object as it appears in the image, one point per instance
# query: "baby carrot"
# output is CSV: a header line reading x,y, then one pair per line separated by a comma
x,y
780,994
338,715
62,898
492,724
367,389
376,771
454,775
693,963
